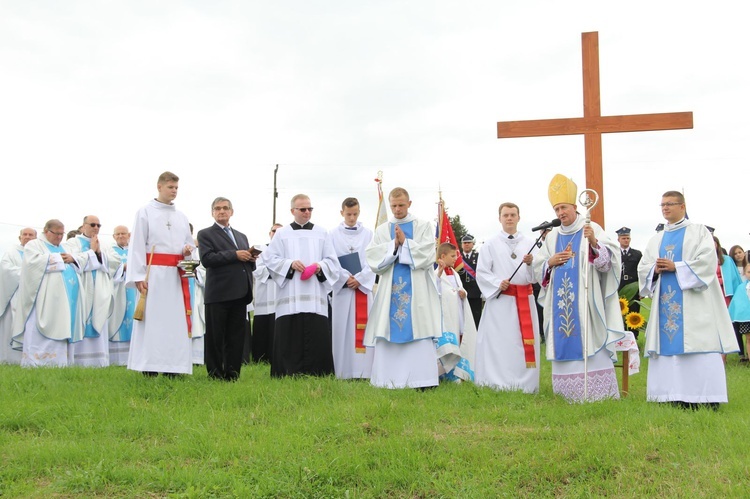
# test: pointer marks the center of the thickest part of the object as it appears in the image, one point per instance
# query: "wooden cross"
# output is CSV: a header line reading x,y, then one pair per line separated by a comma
x,y
593,124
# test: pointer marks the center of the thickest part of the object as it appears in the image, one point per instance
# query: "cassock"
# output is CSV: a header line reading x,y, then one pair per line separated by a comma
x,y
264,303
50,312
456,347
10,275
302,336
405,316
564,313
123,306
689,326
160,342
508,336
351,359
96,282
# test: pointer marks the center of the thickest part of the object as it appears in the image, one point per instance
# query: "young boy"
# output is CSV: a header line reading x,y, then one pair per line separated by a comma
x,y
352,295
455,348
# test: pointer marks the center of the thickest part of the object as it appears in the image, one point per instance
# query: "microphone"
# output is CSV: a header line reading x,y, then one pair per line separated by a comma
x,y
547,225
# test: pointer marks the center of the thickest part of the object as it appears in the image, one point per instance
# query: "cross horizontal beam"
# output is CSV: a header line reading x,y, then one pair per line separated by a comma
x,y
595,124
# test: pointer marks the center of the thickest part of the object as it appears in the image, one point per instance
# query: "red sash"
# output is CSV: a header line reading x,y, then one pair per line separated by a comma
x,y
522,292
167,260
360,320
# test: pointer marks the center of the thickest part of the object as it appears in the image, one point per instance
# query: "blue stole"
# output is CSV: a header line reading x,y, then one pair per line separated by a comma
x,y
671,321
401,294
72,286
566,323
126,327
89,332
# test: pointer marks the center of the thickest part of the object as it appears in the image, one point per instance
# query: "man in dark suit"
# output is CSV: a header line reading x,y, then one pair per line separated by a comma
x,y
471,257
630,259
229,263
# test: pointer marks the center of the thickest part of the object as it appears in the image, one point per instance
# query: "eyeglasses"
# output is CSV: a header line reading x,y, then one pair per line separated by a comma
x,y
669,204
94,225
303,210
58,234
222,208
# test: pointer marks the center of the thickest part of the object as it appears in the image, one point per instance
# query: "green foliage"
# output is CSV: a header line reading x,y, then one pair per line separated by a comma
x,y
114,433
458,228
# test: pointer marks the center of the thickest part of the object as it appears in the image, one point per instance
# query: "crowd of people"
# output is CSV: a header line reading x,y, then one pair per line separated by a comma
x,y
389,306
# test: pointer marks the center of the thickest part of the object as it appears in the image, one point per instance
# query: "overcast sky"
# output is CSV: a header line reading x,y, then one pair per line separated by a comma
x,y
97,98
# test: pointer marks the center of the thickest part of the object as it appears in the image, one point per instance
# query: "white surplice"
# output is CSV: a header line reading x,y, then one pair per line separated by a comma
x,y
411,364
456,348
346,361
160,342
501,360
697,375
10,276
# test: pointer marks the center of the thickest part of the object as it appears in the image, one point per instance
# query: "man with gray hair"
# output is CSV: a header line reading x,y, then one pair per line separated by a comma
x,y
303,262
229,262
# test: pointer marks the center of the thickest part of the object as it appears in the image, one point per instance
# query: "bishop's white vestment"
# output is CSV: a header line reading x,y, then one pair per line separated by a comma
x,y
565,312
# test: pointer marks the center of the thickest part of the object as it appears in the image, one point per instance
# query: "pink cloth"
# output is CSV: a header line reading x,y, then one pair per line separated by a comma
x,y
309,271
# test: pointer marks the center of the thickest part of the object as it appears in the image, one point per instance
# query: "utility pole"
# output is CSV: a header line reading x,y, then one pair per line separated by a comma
x,y
275,194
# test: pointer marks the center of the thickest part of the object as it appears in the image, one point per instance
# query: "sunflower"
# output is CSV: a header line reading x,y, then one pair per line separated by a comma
x,y
634,321
624,309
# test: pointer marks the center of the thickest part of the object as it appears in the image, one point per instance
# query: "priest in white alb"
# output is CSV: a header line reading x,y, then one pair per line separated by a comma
x,y
160,239
405,316
571,253
49,317
689,327
303,263
10,276
508,336
123,299
93,351
352,295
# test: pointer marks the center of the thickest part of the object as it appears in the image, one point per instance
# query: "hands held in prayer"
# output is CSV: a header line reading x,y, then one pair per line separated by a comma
x,y
246,256
562,257
352,283
95,246
588,233
187,250
664,265
400,236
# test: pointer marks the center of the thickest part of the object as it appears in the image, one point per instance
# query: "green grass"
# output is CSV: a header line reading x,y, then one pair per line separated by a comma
x,y
113,433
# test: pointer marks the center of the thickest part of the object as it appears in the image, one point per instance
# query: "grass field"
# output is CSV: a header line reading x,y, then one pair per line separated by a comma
x,y
113,433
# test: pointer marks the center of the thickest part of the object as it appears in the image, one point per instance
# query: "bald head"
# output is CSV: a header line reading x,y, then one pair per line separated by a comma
x,y
121,236
91,225
27,234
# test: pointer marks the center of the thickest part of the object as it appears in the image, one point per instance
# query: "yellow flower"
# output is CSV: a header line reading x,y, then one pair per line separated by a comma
x,y
634,321
624,309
